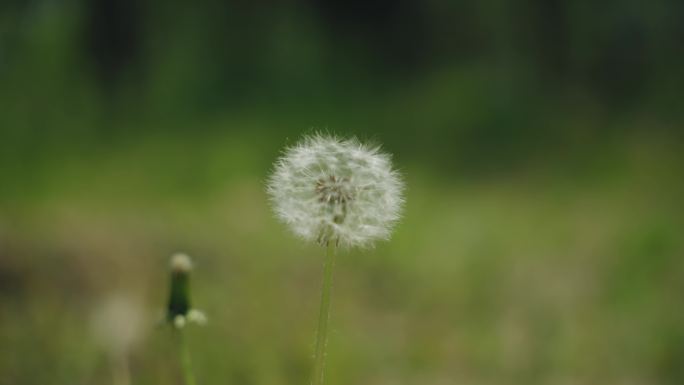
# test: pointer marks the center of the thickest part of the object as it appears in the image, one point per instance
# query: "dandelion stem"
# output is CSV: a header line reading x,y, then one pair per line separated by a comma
x,y
324,315
186,364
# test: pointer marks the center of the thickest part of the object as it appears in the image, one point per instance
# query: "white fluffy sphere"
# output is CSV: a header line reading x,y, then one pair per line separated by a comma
x,y
336,190
118,323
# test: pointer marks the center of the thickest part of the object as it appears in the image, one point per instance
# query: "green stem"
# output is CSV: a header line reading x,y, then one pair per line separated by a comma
x,y
324,315
186,364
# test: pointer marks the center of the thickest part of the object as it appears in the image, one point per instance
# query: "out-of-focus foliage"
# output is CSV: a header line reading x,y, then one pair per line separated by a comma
x,y
541,144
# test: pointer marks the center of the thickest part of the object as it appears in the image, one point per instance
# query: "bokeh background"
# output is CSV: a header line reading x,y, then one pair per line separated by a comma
x,y
541,142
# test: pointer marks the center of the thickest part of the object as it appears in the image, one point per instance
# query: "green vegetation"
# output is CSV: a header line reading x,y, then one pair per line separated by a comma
x,y
542,238
526,279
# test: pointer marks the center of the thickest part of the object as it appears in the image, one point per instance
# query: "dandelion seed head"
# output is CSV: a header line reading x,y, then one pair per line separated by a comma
x,y
117,323
329,189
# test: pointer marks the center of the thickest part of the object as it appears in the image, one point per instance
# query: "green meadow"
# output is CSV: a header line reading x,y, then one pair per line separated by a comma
x,y
542,240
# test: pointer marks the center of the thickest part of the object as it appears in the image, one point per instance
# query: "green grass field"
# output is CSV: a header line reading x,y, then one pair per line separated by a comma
x,y
555,274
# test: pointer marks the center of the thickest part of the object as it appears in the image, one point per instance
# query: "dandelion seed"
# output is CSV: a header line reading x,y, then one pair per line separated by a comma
x,y
336,190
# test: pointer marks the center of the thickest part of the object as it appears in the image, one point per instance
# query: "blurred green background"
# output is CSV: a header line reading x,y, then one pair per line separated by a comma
x,y
541,142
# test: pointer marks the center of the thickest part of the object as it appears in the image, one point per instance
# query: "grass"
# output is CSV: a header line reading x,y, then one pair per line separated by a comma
x,y
538,277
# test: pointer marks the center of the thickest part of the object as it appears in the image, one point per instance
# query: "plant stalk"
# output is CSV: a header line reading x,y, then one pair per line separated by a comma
x,y
186,364
324,315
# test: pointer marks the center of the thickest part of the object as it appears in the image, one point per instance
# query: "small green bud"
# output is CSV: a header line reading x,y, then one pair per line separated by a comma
x,y
179,309
179,298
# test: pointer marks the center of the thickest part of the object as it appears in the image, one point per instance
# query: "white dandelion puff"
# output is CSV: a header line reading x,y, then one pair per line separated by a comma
x,y
329,189
118,323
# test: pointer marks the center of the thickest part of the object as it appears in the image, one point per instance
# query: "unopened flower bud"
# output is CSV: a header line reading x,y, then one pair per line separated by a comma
x,y
179,310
